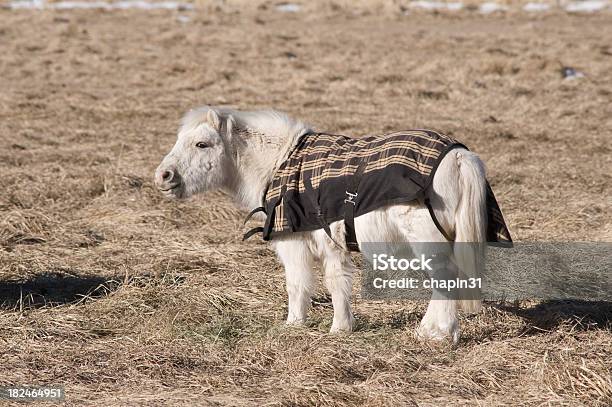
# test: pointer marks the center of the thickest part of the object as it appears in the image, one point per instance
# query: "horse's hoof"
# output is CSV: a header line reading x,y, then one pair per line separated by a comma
x,y
430,332
295,321
342,326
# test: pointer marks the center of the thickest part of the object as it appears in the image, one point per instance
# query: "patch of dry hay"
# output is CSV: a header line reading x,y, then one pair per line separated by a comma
x,y
129,299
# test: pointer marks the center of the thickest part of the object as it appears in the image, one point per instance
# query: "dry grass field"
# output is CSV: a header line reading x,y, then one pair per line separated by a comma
x,y
126,298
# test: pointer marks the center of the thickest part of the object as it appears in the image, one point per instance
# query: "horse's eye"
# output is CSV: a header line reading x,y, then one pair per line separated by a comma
x,y
201,144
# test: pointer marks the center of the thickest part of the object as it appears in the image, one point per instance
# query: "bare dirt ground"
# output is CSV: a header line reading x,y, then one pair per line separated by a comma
x,y
129,299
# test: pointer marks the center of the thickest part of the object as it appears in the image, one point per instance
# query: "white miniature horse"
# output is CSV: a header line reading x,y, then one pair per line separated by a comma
x,y
219,148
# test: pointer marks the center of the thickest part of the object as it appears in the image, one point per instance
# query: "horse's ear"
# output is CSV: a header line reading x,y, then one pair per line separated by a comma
x,y
230,125
212,118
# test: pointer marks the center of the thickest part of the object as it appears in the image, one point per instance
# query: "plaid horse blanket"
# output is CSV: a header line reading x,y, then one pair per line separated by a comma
x,y
327,178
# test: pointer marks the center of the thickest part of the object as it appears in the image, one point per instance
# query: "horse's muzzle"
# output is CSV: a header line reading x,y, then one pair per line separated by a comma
x,y
169,181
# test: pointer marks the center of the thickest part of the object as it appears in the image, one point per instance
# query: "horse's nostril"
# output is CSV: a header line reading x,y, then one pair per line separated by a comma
x,y
167,175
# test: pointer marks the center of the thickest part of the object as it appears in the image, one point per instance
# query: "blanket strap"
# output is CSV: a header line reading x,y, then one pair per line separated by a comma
x,y
435,220
314,199
253,212
252,232
262,208
349,208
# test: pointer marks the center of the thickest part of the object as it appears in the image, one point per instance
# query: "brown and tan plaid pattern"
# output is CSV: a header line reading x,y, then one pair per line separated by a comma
x,y
399,166
325,156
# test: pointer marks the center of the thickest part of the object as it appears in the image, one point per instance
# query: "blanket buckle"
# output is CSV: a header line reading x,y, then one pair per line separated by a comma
x,y
351,198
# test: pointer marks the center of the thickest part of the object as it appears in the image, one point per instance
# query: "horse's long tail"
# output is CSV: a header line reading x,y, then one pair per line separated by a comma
x,y
470,226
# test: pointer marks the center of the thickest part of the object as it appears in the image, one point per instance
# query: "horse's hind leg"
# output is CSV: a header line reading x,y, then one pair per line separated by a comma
x,y
416,226
298,261
338,279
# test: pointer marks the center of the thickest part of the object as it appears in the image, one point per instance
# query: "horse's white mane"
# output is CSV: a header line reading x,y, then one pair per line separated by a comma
x,y
277,127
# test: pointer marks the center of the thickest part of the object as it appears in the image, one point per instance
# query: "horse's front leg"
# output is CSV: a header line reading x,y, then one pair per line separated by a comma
x,y
297,260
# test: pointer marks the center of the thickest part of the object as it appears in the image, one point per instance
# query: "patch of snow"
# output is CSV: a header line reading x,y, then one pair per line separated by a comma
x,y
27,4
68,5
489,7
145,5
535,7
436,5
587,6
183,19
289,7
119,5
